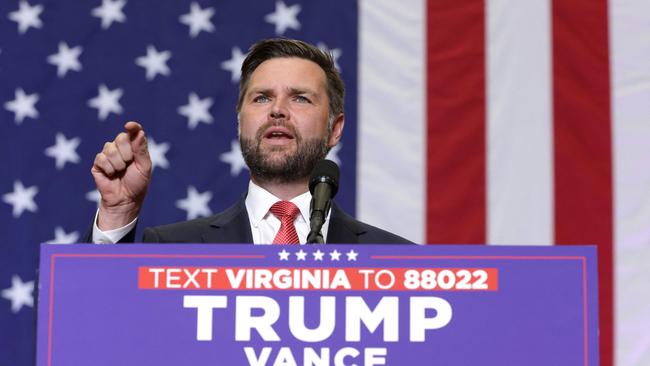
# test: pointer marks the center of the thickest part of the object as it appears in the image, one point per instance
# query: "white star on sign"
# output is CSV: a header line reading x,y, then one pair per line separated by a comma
x,y
154,62
318,255
22,106
110,11
64,150
94,196
198,19
60,237
301,255
284,255
27,16
20,293
352,255
157,152
234,64
333,155
284,17
196,110
335,52
335,255
235,158
106,102
21,199
66,59
196,204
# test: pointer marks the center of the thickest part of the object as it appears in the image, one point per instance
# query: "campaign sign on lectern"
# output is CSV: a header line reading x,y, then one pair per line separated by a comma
x,y
316,305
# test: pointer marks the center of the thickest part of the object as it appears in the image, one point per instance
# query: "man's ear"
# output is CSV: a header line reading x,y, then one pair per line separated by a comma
x,y
337,130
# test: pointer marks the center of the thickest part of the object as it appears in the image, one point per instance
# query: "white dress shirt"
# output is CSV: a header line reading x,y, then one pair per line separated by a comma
x,y
111,236
264,225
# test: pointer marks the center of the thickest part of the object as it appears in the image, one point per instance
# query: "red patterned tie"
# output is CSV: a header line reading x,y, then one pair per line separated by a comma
x,y
286,212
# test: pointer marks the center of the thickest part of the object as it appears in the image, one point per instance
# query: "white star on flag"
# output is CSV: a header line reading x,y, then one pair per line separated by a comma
x,y
94,196
284,17
318,255
65,59
284,255
110,11
22,199
301,255
20,293
352,255
60,237
333,155
27,16
106,102
157,153
235,158
22,106
198,19
64,150
234,64
335,255
335,52
154,62
196,110
196,204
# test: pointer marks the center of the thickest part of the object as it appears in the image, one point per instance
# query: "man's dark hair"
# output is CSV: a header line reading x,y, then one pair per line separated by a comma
x,y
281,47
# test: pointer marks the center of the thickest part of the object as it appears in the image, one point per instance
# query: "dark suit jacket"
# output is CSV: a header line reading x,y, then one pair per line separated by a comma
x,y
233,226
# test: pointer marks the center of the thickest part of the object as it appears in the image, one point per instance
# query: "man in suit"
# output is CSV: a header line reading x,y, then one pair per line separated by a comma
x,y
290,113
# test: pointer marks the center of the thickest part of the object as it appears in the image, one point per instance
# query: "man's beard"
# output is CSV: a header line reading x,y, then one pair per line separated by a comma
x,y
273,166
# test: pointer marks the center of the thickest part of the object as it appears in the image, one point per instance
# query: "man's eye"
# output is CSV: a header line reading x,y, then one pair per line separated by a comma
x,y
302,99
261,99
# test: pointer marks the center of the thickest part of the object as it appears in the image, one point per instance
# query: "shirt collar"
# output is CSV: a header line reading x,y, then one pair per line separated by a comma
x,y
259,202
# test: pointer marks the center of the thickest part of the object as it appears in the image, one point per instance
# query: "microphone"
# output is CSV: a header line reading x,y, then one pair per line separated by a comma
x,y
323,185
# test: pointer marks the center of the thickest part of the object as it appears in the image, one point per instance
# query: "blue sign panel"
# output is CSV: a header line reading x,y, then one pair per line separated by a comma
x,y
317,305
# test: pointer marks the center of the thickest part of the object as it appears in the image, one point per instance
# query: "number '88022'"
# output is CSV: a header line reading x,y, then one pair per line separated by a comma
x,y
446,279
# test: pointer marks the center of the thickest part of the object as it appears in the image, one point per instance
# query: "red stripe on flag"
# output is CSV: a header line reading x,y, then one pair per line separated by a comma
x,y
582,132
456,155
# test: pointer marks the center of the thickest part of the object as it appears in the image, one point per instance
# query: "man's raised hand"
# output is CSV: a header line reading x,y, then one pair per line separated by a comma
x,y
122,172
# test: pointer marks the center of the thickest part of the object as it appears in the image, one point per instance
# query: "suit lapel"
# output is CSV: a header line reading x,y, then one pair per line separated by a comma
x,y
233,226
230,226
343,229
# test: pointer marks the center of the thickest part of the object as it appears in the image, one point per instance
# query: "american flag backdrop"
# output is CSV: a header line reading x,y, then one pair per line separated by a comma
x,y
521,122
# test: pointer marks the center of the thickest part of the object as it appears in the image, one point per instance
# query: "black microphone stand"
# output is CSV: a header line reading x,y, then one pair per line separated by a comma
x,y
323,184
316,222
315,237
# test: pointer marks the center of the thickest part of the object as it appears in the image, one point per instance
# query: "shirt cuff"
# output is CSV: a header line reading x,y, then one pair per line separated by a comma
x,y
110,236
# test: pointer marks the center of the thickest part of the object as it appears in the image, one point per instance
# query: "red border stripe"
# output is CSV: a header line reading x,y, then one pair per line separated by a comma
x,y
581,258
582,133
456,155
50,314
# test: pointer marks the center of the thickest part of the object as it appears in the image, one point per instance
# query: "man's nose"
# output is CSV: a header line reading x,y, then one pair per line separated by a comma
x,y
279,109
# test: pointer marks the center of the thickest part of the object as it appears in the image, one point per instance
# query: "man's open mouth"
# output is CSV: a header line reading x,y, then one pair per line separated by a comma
x,y
277,133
